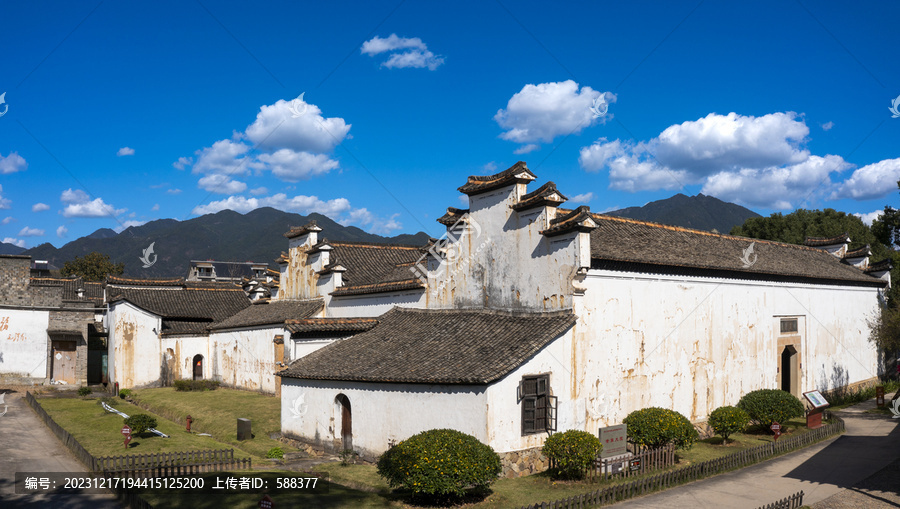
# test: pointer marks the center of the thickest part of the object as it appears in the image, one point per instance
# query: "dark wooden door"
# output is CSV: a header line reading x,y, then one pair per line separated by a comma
x,y
346,423
64,361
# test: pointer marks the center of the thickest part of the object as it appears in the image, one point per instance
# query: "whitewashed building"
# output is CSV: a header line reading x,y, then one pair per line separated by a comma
x,y
532,318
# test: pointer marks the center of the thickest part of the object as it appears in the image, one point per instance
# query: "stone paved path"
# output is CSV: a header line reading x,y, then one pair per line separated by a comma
x,y
26,444
834,467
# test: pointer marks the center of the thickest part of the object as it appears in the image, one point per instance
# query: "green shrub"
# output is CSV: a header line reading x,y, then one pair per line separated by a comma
x,y
766,406
275,452
140,423
656,427
573,452
84,391
727,420
348,456
125,393
440,463
196,385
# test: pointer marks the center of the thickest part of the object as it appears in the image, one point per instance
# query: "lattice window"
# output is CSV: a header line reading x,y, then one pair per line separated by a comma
x,y
538,406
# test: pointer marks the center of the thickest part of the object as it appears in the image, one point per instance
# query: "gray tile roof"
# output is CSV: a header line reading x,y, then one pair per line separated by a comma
x,y
622,240
264,312
309,325
477,184
199,301
435,346
373,264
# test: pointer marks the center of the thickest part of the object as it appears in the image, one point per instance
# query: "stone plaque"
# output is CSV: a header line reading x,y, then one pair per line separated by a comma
x,y
243,429
614,440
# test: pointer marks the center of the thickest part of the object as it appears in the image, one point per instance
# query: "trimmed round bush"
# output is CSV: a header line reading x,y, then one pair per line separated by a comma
x,y
140,423
727,420
440,463
275,452
656,427
125,393
573,451
766,406
84,391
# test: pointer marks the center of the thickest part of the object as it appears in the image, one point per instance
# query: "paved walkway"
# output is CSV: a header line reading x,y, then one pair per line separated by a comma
x,y
26,444
827,469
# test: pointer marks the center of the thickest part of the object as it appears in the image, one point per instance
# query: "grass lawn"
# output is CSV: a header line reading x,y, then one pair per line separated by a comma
x,y
336,496
713,447
216,412
541,488
99,431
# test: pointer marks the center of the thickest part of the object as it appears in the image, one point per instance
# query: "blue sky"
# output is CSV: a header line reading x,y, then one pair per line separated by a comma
x,y
118,113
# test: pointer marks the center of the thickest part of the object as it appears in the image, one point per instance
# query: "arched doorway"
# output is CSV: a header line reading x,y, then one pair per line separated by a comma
x,y
343,404
198,367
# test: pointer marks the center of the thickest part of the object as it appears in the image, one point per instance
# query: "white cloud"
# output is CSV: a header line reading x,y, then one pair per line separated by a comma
x,y
875,180
415,59
221,184
224,156
155,207
582,198
392,42
524,149
61,231
463,200
182,163
300,204
416,54
276,127
758,161
827,126
5,203
293,166
8,219
125,151
40,207
80,205
722,142
780,187
489,167
12,163
868,217
15,242
173,191
30,232
540,113
127,224
74,196
259,191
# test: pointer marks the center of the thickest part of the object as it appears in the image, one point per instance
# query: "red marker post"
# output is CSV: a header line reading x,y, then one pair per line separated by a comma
x,y
776,428
266,503
127,432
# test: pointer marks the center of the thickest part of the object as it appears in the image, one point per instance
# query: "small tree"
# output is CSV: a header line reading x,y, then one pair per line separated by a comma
x,y
140,423
656,427
573,452
766,406
92,267
727,420
440,463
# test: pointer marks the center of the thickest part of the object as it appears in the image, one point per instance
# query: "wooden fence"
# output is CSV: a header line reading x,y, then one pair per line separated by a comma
x,y
794,501
693,472
171,459
639,464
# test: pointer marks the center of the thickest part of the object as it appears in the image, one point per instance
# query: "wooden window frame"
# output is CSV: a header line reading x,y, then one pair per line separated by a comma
x,y
538,406
795,329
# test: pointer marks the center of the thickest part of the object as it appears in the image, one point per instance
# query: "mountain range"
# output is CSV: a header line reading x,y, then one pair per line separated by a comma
x,y
257,235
